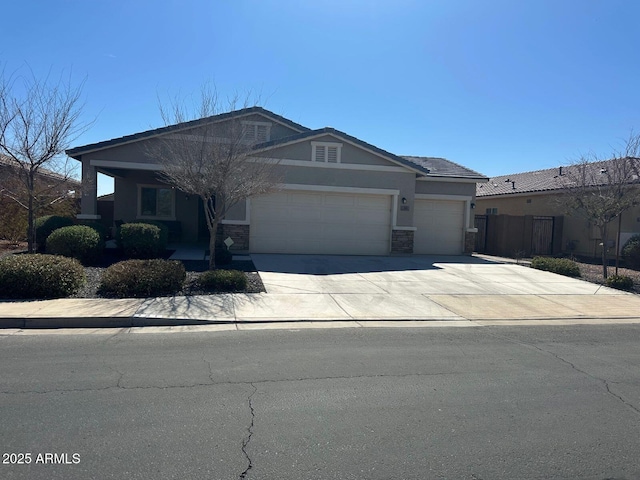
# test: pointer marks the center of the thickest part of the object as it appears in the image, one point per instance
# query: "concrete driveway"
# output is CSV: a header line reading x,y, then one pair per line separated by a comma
x,y
430,287
430,275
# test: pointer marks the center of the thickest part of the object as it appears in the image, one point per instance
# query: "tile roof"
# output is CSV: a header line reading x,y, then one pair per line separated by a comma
x,y
537,181
77,151
441,167
43,172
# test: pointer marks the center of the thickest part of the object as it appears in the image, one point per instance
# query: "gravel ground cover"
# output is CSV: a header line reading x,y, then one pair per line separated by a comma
x,y
194,270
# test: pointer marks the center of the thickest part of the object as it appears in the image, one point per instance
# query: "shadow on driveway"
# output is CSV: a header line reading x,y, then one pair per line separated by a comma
x,y
343,264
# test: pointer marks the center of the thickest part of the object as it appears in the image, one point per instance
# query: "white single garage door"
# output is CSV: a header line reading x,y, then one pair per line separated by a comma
x,y
440,227
322,223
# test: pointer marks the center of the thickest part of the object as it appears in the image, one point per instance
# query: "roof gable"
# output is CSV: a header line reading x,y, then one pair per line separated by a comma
x,y
344,137
251,111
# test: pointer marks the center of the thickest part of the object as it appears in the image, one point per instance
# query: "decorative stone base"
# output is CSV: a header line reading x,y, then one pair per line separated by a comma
x,y
469,242
402,241
238,233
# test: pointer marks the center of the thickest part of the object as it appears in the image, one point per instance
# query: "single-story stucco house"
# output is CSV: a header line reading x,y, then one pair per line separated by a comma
x,y
340,195
520,201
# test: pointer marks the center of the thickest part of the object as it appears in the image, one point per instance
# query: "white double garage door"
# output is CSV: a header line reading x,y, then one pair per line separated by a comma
x,y
310,222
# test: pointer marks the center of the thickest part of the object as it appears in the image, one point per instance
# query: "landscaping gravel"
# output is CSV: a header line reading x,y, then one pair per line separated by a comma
x,y
94,274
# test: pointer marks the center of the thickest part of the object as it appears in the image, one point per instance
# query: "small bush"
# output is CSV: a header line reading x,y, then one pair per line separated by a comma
x,y
631,252
621,282
39,276
142,240
97,226
46,225
562,266
142,278
223,281
79,241
164,230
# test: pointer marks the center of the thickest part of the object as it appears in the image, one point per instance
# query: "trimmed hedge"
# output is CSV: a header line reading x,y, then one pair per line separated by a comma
x,y
97,226
46,225
631,252
143,240
79,241
223,281
164,230
621,282
561,266
39,276
142,278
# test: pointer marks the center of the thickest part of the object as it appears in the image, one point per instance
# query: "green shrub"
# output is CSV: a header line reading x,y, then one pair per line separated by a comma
x,y
79,241
621,282
39,276
631,252
223,281
97,226
142,240
46,225
142,278
164,230
562,266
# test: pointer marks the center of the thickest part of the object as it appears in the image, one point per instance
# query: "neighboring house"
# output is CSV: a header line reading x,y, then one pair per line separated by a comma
x,y
529,206
56,185
340,195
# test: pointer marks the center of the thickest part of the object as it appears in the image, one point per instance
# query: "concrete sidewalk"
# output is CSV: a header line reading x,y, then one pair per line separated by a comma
x,y
355,291
318,307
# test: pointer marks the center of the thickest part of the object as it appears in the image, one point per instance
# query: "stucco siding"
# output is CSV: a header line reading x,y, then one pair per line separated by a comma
x,y
438,187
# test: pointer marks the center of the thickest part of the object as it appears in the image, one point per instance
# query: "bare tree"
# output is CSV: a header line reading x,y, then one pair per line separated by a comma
x,y
38,121
214,159
601,190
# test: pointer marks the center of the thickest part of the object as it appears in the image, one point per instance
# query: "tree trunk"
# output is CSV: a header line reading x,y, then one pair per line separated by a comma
x,y
603,236
31,229
212,244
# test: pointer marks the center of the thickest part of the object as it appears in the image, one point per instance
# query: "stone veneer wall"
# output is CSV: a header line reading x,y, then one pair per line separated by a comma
x,y
469,242
238,233
402,241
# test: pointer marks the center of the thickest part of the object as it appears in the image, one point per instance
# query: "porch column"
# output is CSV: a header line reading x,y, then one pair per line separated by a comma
x,y
89,201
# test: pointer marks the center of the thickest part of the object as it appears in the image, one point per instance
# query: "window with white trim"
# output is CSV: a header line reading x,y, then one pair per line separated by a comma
x,y
257,131
327,152
156,202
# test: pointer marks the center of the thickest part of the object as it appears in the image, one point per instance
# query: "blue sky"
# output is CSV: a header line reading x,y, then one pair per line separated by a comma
x,y
498,86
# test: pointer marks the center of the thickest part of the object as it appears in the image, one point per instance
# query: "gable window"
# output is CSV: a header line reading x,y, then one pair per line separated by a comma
x,y
156,202
257,131
327,152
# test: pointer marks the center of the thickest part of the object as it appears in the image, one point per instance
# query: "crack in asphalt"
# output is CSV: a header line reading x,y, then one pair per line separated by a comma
x,y
213,383
604,382
247,439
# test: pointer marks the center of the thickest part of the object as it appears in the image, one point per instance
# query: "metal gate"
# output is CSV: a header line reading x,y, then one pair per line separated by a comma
x,y
480,222
542,236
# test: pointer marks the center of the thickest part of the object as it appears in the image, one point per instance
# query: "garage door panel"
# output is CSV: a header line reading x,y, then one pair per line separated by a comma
x,y
439,227
325,223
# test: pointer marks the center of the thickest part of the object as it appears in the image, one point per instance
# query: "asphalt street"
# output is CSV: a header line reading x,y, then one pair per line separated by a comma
x,y
455,403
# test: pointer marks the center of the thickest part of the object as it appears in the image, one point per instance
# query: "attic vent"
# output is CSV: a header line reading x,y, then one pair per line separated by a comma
x,y
326,152
332,154
256,131
262,133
